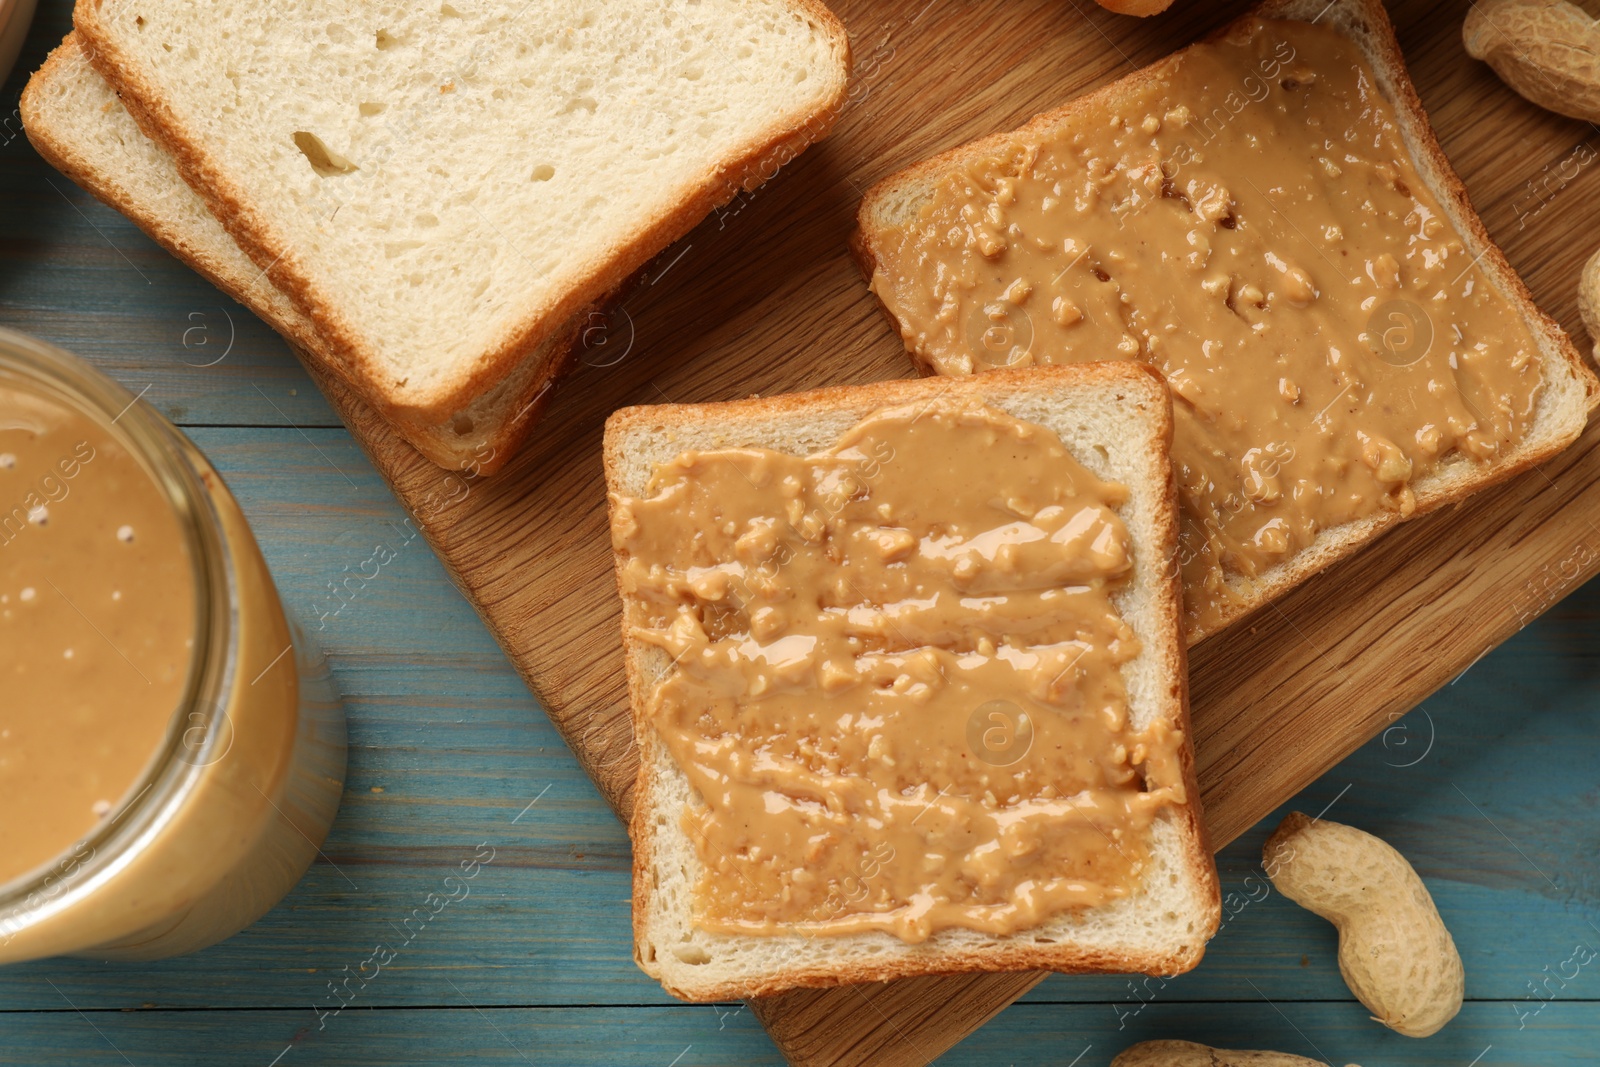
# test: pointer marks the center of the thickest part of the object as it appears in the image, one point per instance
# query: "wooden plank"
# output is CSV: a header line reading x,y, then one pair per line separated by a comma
x,y
708,1036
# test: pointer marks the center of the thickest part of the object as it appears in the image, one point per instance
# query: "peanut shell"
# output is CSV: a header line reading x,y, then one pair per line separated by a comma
x,y
1547,50
1394,951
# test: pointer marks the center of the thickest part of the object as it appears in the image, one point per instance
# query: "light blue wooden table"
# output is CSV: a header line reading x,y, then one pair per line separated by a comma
x,y
1491,788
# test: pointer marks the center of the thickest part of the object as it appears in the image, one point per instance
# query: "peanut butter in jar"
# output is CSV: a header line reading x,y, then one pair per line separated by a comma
x,y
170,760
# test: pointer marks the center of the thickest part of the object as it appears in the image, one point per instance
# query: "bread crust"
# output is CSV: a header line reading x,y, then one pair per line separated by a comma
x,y
1367,23
1147,388
257,235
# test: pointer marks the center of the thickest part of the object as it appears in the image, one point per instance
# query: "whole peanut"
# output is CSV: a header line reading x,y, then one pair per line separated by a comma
x,y
1547,50
1589,298
1394,951
1190,1054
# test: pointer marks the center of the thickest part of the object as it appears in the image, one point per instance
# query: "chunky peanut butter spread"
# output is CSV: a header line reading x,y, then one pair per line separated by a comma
x,y
97,623
1246,217
896,677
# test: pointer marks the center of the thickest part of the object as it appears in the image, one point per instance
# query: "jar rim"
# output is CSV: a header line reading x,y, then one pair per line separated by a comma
x,y
197,728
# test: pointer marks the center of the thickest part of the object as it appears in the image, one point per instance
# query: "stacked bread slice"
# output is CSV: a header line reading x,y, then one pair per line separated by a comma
x,y
431,202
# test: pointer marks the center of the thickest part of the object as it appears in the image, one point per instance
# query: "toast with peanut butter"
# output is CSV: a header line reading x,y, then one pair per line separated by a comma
x,y
1267,218
908,683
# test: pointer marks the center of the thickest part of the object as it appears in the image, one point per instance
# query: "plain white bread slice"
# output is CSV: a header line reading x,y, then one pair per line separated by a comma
x,y
78,125
441,187
1116,419
1571,390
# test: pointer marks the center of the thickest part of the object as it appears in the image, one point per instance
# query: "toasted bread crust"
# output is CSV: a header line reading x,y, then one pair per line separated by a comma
x,y
1148,388
1367,23
258,236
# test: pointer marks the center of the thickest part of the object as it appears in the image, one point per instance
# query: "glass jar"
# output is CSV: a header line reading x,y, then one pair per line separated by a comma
x,y
15,15
235,801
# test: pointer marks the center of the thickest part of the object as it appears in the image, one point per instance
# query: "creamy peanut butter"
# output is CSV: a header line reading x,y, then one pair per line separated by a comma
x,y
896,679
97,618
170,757
1245,217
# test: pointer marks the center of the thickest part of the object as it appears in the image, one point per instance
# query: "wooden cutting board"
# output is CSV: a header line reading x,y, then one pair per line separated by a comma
x,y
763,298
